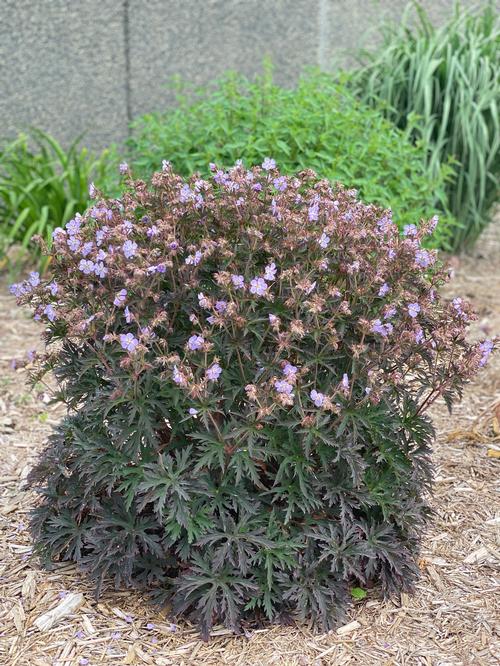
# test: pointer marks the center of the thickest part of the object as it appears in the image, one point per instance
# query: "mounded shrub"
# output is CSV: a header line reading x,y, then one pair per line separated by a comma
x,y
316,125
246,361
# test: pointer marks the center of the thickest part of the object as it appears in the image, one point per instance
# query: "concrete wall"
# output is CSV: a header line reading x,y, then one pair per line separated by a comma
x,y
73,66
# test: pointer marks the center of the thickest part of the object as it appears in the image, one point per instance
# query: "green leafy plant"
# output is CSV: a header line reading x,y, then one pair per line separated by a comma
x,y
443,84
317,125
43,185
247,361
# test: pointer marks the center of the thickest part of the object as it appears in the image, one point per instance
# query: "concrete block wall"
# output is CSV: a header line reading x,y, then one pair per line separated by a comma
x,y
73,66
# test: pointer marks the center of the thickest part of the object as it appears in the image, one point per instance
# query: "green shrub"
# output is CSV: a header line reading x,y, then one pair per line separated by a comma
x,y
42,185
318,125
247,361
450,78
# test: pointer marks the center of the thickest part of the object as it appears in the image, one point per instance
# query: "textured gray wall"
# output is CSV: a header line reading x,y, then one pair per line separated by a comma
x,y
73,66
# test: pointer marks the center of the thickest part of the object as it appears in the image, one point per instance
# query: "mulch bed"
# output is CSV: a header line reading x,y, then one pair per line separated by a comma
x,y
452,619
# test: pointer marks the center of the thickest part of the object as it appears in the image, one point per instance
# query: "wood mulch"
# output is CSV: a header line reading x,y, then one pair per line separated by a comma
x,y
452,619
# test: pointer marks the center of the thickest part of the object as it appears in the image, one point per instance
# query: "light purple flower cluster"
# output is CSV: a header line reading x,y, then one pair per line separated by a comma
x,y
194,259
383,329
129,249
213,372
120,298
129,342
268,164
413,309
317,398
195,342
282,386
486,347
258,286
238,281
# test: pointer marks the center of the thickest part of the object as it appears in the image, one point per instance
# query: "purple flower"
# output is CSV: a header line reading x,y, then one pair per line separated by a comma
x,y
129,248
57,232
150,626
485,348
177,376
390,312
123,167
83,661
203,300
273,319
457,304
280,183
100,269
193,411
423,258
128,342
324,240
152,231
221,306
268,164
73,226
87,248
384,289
34,279
313,212
86,266
419,335
73,243
311,288
173,245
195,342
345,381
257,187
116,635
193,259
80,634
270,272
433,223
17,289
127,225
120,298
317,398
410,230
238,281
213,372
100,235
53,288
413,309
50,312
382,329
283,386
258,286
186,194
289,370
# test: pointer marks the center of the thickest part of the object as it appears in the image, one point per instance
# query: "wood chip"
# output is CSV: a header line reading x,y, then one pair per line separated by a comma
x,y
478,556
68,605
348,628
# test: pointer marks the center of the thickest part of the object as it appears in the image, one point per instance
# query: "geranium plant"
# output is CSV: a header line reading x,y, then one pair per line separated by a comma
x,y
246,361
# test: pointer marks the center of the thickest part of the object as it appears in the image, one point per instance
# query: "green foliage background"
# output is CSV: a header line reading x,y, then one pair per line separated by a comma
x,y
317,125
443,86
